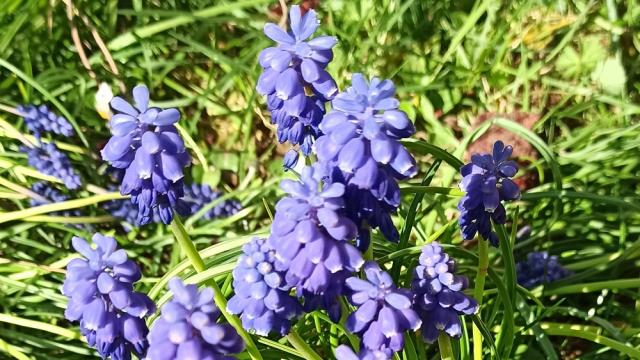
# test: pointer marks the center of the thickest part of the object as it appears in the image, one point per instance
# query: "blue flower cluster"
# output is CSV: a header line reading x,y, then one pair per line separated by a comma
x,y
262,295
294,78
50,195
48,160
310,235
361,144
384,311
438,296
101,297
188,328
343,352
486,181
195,198
198,196
540,268
40,119
147,144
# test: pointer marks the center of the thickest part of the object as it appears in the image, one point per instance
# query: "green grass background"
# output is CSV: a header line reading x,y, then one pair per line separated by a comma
x,y
572,65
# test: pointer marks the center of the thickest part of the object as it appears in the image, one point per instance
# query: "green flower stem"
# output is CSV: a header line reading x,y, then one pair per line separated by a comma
x,y
478,291
444,343
302,346
182,237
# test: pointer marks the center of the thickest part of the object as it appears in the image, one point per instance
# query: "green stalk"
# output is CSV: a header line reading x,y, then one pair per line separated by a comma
x,y
478,291
64,205
444,343
182,237
302,346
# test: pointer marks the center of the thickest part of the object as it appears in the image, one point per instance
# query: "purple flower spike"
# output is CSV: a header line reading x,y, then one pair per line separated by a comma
x,y
101,297
188,328
52,195
540,269
262,295
343,352
310,235
384,312
147,145
438,296
47,159
361,142
40,119
486,181
198,196
294,78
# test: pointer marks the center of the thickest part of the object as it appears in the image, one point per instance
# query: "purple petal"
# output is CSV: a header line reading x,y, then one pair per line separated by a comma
x,y
122,124
288,84
281,61
151,142
144,163
323,42
267,81
141,97
352,155
116,148
295,19
403,162
121,105
509,190
359,83
325,85
310,70
388,322
81,246
191,349
398,301
343,132
171,167
387,104
308,25
508,168
267,55
296,105
167,117
383,149
491,200
275,33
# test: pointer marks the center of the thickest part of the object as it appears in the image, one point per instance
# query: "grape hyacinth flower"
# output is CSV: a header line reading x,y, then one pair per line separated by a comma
x,y
438,296
361,143
101,297
126,211
294,78
540,268
310,235
290,160
188,329
198,196
40,119
48,160
384,311
343,352
147,145
50,195
261,294
486,181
